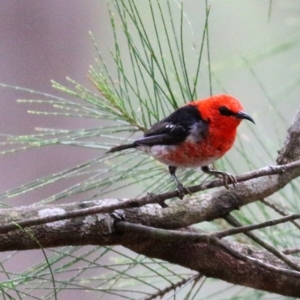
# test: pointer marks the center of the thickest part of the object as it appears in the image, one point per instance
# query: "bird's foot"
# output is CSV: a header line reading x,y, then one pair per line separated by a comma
x,y
182,190
227,177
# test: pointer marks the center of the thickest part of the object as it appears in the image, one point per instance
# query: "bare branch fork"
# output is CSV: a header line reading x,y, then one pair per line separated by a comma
x,y
164,233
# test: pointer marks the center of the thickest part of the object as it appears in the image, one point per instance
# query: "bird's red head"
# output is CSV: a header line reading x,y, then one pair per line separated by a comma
x,y
222,111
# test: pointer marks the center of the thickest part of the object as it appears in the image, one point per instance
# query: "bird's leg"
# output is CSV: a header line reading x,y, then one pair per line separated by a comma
x,y
226,176
172,171
181,189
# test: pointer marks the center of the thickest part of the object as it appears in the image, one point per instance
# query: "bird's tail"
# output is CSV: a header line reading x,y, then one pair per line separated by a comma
x,y
121,147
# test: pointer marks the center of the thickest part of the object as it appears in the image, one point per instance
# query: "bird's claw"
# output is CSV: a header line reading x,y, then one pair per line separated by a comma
x,y
182,191
228,179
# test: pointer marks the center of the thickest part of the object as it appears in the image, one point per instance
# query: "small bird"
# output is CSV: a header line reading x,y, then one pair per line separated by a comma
x,y
195,135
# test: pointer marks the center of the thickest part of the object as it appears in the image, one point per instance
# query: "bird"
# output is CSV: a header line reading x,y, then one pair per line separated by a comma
x,y
193,136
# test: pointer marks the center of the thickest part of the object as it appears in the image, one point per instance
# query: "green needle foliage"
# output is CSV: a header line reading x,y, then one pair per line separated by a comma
x,y
152,75
143,87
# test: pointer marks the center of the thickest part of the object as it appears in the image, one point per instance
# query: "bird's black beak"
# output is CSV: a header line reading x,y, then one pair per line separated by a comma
x,y
242,115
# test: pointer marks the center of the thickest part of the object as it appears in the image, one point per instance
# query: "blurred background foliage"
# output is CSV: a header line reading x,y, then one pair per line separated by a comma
x,y
151,57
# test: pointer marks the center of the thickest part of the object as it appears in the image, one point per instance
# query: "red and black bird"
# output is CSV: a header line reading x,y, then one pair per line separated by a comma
x,y
194,135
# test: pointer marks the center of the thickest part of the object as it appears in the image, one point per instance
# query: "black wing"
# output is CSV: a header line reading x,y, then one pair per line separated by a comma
x,y
175,128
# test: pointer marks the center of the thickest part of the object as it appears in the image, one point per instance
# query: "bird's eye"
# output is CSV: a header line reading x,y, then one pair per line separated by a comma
x,y
224,111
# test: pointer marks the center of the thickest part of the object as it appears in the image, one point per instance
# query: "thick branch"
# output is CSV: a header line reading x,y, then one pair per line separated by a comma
x,y
230,261
198,252
291,146
203,211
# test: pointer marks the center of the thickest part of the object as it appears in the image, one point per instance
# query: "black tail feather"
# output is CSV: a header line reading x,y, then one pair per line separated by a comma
x,y
121,147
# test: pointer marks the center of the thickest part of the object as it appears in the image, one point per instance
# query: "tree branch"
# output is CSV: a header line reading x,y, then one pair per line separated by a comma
x,y
241,264
243,229
63,212
87,223
231,220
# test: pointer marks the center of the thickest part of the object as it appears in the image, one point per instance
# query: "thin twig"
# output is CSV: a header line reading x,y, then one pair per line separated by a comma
x,y
207,8
247,228
234,222
174,286
278,210
291,251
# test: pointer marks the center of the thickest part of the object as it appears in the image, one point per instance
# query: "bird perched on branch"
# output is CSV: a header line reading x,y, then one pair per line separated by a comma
x,y
195,135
